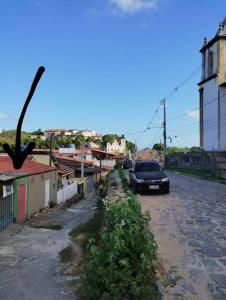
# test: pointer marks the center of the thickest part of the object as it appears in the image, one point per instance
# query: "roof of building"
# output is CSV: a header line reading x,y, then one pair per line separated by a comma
x,y
29,168
76,160
64,170
55,130
219,35
103,152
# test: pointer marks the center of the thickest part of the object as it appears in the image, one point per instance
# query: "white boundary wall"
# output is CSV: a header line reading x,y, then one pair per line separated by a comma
x,y
67,192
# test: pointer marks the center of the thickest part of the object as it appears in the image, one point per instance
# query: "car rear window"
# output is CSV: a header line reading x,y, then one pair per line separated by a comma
x,y
146,167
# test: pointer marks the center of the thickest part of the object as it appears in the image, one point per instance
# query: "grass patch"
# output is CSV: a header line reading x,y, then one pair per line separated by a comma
x,y
49,226
198,173
125,183
92,227
67,254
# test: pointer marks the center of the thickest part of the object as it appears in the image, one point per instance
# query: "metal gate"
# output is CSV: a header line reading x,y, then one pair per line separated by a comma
x,y
6,211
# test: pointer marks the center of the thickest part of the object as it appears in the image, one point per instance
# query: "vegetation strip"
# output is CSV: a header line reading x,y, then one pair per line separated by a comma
x,y
202,174
119,251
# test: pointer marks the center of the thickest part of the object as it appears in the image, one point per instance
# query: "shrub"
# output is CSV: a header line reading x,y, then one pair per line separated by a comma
x,y
120,265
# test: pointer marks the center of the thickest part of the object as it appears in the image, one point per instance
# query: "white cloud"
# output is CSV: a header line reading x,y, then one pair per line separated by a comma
x,y
133,6
6,117
193,114
3,116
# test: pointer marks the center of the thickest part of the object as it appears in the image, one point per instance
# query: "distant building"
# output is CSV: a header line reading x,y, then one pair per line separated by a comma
x,y
116,147
53,132
213,92
89,133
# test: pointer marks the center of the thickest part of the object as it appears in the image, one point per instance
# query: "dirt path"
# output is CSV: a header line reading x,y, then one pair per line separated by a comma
x,y
190,229
29,257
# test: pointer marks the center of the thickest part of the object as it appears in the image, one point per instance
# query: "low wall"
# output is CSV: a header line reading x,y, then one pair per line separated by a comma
x,y
67,192
214,162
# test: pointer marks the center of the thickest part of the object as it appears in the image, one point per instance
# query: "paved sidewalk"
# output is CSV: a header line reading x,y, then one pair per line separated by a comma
x,y
29,260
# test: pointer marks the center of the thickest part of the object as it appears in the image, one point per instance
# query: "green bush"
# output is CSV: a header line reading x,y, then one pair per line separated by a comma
x,y
125,183
120,265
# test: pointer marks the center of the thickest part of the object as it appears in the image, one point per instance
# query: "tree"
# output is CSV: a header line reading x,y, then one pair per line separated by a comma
x,y
195,149
158,147
38,132
131,146
110,138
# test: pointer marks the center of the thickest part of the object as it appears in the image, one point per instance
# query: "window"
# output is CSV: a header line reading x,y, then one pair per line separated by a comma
x,y
210,63
146,167
7,190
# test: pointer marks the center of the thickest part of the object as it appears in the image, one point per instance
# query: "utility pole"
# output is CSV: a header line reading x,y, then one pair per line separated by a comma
x,y
50,150
164,126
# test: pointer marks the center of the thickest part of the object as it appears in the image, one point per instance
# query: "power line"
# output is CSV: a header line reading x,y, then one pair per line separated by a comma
x,y
179,86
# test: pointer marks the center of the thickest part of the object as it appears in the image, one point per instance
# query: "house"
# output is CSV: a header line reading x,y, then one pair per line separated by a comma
x,y
32,188
89,133
213,92
55,133
116,147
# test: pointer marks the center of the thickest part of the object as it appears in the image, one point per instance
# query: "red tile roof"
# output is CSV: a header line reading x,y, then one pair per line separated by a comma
x,y
103,152
74,159
29,167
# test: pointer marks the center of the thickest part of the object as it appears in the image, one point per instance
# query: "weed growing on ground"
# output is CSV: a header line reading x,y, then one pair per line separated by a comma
x,y
119,264
67,254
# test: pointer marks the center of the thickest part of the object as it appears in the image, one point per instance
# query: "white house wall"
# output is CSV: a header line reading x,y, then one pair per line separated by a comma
x,y
213,49
67,192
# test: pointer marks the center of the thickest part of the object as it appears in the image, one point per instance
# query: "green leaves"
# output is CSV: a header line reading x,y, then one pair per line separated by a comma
x,y
120,265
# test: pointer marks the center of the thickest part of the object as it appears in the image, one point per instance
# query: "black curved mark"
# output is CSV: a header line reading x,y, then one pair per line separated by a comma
x,y
18,157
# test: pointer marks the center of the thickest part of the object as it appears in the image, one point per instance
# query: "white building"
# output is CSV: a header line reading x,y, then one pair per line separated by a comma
x,y
89,133
117,148
213,92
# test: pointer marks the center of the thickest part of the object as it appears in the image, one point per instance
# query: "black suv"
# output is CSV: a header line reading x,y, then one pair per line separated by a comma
x,y
147,175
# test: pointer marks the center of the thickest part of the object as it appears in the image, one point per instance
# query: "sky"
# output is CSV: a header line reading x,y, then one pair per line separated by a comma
x,y
108,65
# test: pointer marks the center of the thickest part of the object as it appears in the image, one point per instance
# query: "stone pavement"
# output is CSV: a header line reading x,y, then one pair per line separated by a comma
x,y
190,229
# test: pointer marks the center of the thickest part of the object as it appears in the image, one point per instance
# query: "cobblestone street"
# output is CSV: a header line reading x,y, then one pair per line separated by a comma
x,y
190,229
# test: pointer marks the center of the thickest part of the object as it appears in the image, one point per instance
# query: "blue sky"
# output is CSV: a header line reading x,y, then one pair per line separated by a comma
x,y
108,64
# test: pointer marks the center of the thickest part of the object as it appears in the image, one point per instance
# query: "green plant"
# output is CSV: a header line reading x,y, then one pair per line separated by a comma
x,y
124,180
66,255
119,264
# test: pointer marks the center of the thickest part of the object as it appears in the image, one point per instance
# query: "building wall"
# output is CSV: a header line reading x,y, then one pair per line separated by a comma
x,y
116,148
36,187
222,93
210,115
